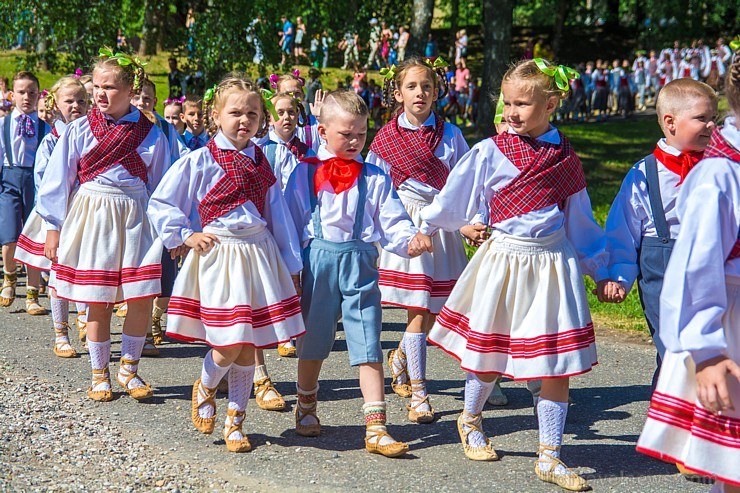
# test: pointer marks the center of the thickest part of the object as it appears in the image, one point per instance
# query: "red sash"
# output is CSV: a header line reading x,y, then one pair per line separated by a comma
x,y
550,173
410,153
719,147
245,180
117,143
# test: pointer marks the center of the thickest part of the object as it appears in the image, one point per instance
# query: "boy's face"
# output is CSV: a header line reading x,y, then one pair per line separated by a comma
x,y
345,133
146,100
25,95
690,128
193,117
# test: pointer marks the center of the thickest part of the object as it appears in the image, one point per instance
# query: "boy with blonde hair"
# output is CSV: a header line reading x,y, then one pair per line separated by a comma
x,y
642,225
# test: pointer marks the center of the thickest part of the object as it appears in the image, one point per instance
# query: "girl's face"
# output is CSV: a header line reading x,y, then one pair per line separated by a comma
x,y
293,86
417,93
526,110
287,120
43,114
172,116
71,102
240,117
111,96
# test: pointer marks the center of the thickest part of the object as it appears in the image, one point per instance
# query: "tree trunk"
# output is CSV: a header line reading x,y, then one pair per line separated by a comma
x,y
421,24
497,20
152,29
454,17
560,16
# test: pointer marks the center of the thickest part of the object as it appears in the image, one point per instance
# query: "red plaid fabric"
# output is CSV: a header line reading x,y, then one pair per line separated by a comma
x,y
410,153
245,180
117,144
54,131
298,148
719,147
550,173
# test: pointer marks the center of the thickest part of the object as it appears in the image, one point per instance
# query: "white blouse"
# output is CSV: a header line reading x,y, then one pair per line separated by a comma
x,y
285,160
631,217
694,296
483,171
385,219
174,205
44,153
61,171
449,151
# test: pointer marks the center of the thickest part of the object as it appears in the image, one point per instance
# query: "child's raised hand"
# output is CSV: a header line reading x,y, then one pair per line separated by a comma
x,y
475,234
318,102
711,383
297,283
201,242
51,245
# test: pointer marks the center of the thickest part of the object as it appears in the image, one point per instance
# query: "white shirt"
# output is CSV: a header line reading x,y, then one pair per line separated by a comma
x,y
23,149
384,220
483,171
188,181
694,298
177,146
44,153
452,147
631,217
285,160
61,171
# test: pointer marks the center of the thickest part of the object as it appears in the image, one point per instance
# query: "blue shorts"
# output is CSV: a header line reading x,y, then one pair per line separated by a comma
x,y
341,279
17,196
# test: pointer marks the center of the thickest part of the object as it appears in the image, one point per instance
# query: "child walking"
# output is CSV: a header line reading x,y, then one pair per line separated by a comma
x,y
693,418
417,148
519,309
234,291
21,133
342,207
195,135
292,83
642,225
172,110
67,100
107,251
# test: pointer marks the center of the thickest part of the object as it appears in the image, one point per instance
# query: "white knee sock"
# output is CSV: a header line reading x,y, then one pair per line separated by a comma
x,y
240,380
131,350
210,376
476,393
82,308
551,416
60,317
99,358
415,346
307,400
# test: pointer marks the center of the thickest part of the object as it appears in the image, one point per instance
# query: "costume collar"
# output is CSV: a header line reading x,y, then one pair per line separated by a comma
x,y
552,136
225,144
325,154
403,121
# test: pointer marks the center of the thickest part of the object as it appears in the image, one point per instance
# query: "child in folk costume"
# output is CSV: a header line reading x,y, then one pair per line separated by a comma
x,y
418,149
21,133
600,101
234,291
195,135
642,225
293,83
694,417
520,309
68,100
342,207
107,251
172,111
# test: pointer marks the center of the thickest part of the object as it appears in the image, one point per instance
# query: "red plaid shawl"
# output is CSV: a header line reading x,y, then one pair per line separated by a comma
x,y
245,180
117,144
298,147
719,147
550,173
410,153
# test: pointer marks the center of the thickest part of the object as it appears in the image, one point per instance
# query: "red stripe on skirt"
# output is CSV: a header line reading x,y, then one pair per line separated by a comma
x,y
240,314
28,245
108,278
415,282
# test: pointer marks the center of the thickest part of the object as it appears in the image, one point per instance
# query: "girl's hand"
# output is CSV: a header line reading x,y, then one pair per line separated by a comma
x,y
180,251
297,283
476,234
318,102
711,383
419,244
51,245
201,242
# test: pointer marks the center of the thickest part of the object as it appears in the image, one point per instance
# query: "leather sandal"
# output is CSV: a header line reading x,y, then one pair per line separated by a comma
x,y
570,481
422,417
32,303
237,446
98,377
59,346
372,445
312,430
203,425
7,292
81,326
474,422
157,332
287,351
138,393
402,389
121,310
261,389
150,349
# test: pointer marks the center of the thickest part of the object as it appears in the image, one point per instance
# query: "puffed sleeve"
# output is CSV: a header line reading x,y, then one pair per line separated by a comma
x,y
42,159
58,180
391,220
161,160
280,223
378,161
586,235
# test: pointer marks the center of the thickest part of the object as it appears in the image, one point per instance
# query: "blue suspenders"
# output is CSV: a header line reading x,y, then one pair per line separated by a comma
x,y
359,213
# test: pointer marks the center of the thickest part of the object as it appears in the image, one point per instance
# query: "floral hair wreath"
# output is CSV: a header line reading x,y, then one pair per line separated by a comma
x,y
125,60
170,101
78,73
274,78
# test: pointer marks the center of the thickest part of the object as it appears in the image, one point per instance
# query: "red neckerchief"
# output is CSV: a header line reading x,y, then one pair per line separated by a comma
x,y
340,173
681,164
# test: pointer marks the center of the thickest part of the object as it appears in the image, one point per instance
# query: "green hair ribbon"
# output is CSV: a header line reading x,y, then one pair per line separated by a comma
x,y
267,96
562,74
124,60
735,43
439,62
210,94
499,117
388,73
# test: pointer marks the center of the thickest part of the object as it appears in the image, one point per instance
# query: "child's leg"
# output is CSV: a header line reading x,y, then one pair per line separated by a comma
x,y
415,347
60,319
10,279
33,278
470,424
132,343
99,347
265,393
377,439
241,375
307,386
160,306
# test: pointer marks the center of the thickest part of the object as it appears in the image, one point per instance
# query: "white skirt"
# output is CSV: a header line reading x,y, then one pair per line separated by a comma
x,y
520,310
108,250
424,282
679,429
30,247
238,293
